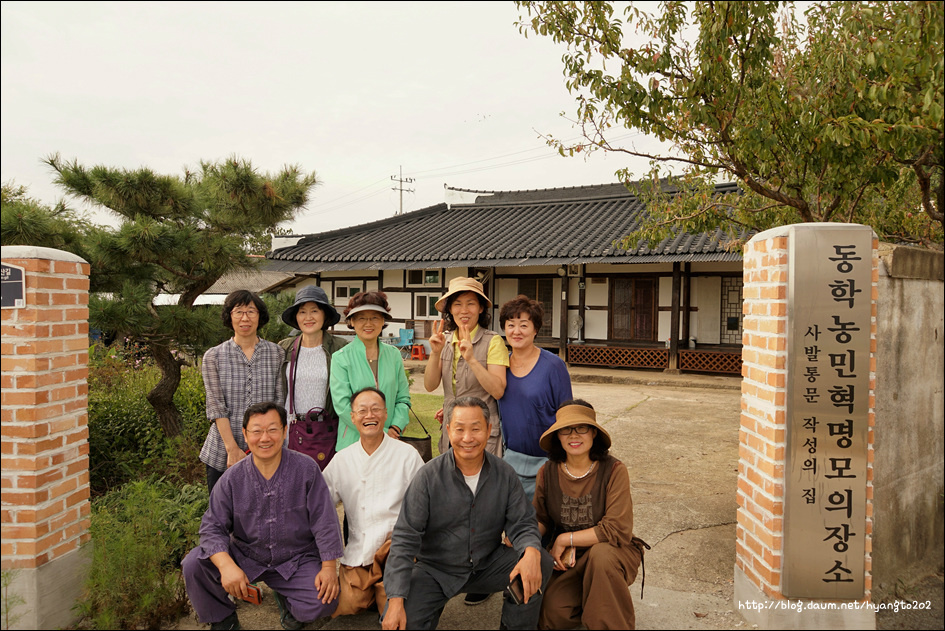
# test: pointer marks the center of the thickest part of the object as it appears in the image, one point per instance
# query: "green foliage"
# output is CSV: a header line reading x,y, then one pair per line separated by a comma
x,y
276,330
837,119
126,441
140,534
10,600
26,221
177,236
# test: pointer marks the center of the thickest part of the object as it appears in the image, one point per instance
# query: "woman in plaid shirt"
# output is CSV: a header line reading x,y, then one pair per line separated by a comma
x,y
236,374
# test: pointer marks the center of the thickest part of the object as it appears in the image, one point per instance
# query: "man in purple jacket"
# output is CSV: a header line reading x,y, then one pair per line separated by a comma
x,y
270,518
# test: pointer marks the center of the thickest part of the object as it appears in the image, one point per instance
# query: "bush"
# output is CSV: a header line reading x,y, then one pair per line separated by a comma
x,y
126,441
140,534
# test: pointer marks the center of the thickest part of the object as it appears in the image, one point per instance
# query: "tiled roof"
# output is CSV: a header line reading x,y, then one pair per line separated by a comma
x,y
256,280
545,227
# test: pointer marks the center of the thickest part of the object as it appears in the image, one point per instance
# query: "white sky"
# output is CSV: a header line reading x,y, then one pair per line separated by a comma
x,y
351,90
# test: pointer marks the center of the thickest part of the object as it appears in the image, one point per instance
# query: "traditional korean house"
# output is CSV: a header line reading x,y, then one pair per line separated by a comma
x,y
604,306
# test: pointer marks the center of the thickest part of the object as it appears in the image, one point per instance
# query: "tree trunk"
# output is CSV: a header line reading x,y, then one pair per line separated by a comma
x,y
161,397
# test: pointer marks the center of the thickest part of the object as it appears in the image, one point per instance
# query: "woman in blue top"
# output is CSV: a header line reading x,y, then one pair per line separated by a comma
x,y
537,383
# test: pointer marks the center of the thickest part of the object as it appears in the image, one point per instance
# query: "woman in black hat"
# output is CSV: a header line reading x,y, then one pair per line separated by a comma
x,y
305,374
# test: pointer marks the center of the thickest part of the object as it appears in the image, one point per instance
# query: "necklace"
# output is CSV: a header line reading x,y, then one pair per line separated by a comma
x,y
579,477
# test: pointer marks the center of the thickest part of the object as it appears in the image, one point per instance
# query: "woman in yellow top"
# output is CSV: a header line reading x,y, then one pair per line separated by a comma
x,y
468,358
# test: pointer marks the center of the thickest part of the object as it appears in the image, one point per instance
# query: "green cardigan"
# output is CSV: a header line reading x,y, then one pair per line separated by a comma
x,y
350,372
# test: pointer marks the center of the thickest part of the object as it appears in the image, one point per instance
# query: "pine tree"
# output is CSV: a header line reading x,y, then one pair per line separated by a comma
x,y
176,236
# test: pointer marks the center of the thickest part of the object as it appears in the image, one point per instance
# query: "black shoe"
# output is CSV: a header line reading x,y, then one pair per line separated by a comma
x,y
230,623
289,623
476,599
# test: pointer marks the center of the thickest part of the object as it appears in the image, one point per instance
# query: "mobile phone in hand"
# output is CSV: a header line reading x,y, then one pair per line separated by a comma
x,y
253,594
516,590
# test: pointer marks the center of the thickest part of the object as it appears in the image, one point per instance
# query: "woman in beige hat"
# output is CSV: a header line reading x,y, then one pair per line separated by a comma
x,y
585,513
468,358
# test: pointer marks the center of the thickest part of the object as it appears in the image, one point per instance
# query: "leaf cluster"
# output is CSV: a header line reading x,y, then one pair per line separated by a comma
x,y
838,118
27,221
140,533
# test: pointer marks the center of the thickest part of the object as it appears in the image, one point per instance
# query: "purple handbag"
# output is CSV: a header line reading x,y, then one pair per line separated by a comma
x,y
313,433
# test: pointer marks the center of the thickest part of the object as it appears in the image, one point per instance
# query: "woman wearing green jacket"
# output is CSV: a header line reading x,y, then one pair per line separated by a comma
x,y
366,361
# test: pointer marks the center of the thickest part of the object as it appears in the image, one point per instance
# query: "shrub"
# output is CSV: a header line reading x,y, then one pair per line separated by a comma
x,y
140,534
125,439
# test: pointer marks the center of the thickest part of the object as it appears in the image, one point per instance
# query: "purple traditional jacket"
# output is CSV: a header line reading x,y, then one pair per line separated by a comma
x,y
271,524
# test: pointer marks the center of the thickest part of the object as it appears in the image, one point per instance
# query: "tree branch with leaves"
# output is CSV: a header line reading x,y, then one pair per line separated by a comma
x,y
837,117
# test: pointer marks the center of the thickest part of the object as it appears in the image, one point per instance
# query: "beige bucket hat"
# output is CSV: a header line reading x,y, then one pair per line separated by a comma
x,y
569,416
460,285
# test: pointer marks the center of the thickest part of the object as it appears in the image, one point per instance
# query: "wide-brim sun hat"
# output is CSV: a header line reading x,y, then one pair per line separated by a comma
x,y
378,308
569,416
461,285
311,293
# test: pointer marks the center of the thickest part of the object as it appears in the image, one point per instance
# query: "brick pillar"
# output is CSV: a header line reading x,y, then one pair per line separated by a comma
x,y
45,481
770,470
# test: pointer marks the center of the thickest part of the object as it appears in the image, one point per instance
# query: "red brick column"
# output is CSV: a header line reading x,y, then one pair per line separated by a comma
x,y
763,443
45,481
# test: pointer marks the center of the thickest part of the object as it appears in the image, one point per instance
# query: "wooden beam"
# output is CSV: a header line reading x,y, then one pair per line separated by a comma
x,y
686,300
673,359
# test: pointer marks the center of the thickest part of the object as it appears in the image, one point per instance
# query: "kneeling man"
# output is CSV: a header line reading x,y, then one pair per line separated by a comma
x,y
370,478
448,537
270,518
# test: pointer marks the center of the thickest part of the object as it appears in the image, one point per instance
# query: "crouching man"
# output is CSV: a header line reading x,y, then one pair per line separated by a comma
x,y
448,537
270,518
370,478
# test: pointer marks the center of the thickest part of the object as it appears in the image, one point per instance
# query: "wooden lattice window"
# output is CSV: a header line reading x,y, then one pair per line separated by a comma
x,y
633,309
542,290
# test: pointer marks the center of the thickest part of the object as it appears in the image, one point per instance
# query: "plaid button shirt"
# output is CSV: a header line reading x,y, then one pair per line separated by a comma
x,y
233,383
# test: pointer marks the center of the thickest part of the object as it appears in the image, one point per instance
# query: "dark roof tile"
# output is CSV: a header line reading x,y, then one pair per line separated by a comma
x,y
553,226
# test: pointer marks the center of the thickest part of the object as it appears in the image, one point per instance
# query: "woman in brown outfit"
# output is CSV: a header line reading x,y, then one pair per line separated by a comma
x,y
585,513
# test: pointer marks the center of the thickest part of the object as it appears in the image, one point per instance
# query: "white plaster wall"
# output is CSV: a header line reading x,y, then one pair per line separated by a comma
x,y
392,277
400,304
454,272
506,289
704,324
574,296
556,307
370,285
595,325
596,294
306,282
664,318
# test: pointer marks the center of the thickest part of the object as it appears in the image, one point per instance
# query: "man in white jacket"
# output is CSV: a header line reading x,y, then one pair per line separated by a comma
x,y
370,479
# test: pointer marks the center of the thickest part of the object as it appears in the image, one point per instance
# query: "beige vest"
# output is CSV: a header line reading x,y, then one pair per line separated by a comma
x,y
468,386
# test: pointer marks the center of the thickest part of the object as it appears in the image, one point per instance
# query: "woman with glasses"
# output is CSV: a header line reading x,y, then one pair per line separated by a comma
x,y
366,361
585,514
236,374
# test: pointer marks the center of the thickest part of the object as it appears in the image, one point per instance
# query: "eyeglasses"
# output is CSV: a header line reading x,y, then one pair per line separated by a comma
x,y
249,313
272,432
575,429
365,319
362,412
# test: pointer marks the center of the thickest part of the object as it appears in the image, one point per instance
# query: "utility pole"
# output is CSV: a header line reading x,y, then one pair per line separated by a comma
x,y
401,188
